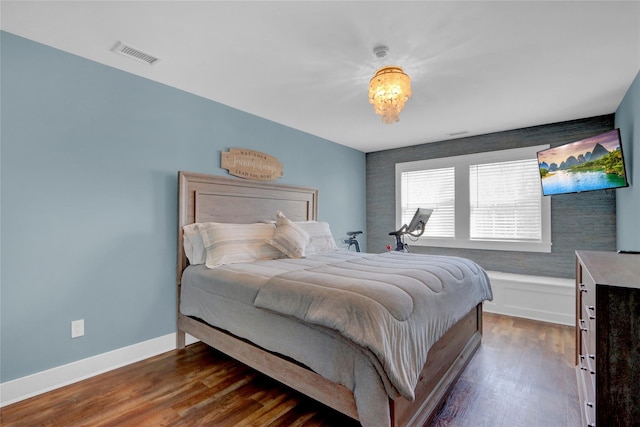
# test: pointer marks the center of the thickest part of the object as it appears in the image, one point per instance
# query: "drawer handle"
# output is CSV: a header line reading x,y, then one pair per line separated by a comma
x,y
585,368
582,326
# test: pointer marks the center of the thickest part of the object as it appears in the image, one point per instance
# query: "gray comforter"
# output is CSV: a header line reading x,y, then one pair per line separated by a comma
x,y
394,304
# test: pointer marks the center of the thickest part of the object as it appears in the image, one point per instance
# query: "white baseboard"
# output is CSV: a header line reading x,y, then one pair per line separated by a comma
x,y
549,299
51,379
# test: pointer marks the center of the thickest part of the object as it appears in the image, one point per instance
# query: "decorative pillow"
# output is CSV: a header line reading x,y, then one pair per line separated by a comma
x,y
193,244
321,238
233,243
289,238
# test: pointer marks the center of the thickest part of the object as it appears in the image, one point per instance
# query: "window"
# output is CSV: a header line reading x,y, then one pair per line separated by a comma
x,y
482,201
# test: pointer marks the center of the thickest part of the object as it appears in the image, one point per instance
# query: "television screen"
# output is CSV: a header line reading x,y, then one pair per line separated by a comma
x,y
594,163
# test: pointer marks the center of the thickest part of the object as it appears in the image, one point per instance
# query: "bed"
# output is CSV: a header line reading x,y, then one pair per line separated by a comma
x,y
278,338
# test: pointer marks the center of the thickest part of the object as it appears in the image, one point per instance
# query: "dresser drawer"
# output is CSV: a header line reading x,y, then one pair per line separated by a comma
x,y
590,414
588,322
586,381
584,343
587,289
590,360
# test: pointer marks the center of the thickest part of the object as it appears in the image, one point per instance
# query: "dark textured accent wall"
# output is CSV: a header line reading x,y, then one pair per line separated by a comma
x,y
584,221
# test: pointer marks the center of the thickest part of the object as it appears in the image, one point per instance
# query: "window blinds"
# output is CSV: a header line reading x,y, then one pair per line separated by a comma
x,y
505,201
434,189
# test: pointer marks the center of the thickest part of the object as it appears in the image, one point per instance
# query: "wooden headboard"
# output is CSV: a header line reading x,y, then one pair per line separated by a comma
x,y
209,198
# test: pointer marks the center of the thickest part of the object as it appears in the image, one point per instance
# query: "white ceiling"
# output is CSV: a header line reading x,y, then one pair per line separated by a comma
x,y
476,66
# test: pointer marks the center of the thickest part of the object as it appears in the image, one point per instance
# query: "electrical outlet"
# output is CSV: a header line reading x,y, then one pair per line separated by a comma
x,y
77,328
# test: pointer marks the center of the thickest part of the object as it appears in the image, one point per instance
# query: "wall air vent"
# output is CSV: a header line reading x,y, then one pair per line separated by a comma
x,y
134,53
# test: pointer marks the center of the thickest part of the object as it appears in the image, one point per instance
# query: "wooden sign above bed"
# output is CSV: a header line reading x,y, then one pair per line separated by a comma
x,y
250,164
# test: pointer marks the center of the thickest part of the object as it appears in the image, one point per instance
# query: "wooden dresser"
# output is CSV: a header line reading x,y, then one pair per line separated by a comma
x,y
608,338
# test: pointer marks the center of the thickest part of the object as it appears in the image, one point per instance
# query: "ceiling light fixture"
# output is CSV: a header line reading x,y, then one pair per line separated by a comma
x,y
389,89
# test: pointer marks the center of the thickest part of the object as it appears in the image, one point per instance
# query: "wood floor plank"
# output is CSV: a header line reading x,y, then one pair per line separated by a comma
x,y
522,375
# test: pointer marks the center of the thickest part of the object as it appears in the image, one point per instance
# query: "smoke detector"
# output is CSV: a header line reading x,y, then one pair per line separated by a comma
x,y
380,51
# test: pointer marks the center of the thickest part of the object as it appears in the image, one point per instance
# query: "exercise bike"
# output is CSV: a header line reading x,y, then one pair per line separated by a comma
x,y
415,229
352,240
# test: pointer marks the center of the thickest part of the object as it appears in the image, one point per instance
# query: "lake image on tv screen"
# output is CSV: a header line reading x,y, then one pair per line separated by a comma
x,y
569,182
590,164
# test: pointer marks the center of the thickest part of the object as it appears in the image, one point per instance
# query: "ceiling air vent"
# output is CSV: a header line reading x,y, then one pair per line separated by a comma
x,y
134,53
458,133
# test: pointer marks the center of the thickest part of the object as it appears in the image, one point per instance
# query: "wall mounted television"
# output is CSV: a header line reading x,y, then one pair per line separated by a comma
x,y
594,163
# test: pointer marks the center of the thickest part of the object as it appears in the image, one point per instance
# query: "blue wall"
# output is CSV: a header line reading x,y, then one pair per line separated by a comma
x,y
628,199
89,161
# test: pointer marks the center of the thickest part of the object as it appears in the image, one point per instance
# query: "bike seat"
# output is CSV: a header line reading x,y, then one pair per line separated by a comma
x,y
353,233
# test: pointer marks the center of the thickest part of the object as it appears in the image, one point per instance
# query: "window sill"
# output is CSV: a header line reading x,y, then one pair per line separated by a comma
x,y
544,247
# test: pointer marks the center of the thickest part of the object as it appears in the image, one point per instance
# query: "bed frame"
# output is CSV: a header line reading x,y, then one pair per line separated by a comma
x,y
205,198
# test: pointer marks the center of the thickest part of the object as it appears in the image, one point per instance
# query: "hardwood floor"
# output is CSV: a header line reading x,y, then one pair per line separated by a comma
x,y
522,375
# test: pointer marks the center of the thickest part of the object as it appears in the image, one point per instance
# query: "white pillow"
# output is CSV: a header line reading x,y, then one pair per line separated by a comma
x,y
289,238
321,238
233,243
193,244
